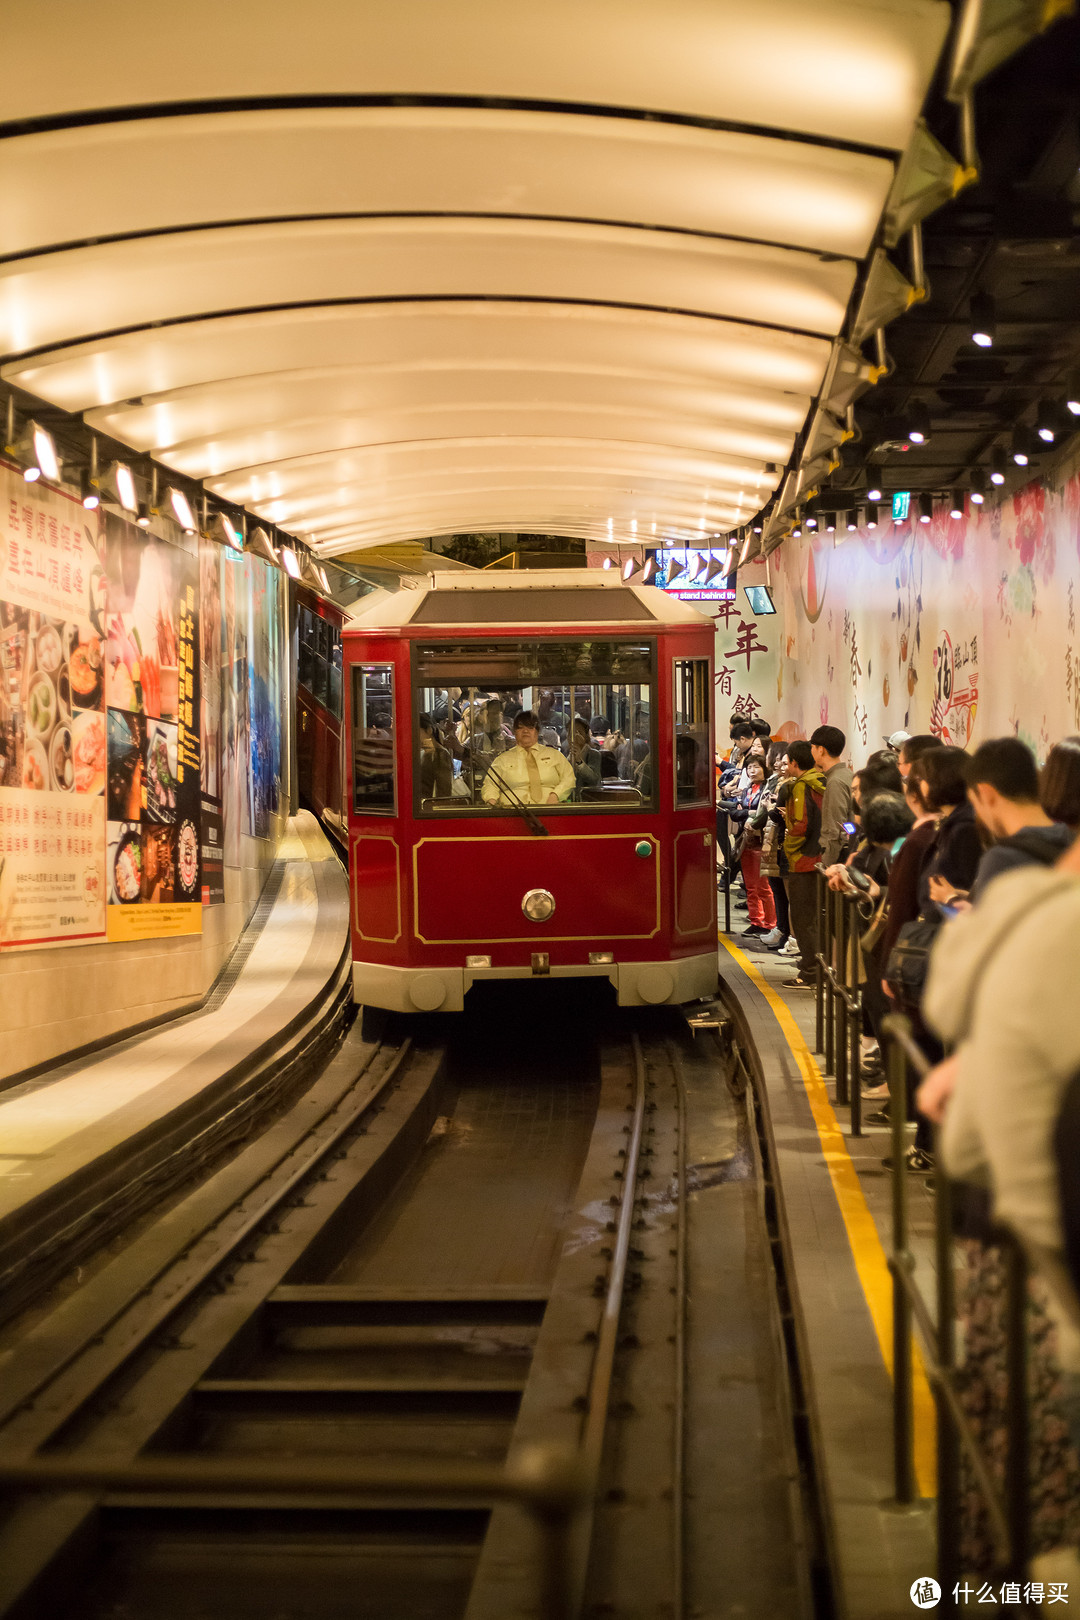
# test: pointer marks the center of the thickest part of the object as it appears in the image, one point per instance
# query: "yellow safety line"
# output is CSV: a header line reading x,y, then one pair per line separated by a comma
x,y
866,1246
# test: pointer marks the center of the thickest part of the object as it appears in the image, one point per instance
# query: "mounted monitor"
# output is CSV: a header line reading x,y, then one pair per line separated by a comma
x,y
760,599
696,574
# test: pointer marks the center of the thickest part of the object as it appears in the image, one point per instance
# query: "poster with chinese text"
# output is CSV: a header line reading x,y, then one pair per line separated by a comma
x,y
52,722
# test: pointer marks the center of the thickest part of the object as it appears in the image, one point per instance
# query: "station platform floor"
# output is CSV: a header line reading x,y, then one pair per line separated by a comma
x,y
834,1198
81,1136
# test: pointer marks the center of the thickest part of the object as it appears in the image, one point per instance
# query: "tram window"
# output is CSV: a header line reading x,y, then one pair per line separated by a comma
x,y
305,655
693,777
595,704
373,739
333,672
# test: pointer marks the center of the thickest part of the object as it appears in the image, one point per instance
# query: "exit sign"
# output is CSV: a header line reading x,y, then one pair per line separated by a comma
x,y
900,503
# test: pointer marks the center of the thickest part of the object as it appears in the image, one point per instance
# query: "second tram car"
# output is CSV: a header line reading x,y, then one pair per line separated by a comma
x,y
319,721
464,865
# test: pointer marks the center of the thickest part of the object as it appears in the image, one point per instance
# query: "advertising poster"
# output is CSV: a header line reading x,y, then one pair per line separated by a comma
x,y
237,774
211,660
265,686
52,721
154,790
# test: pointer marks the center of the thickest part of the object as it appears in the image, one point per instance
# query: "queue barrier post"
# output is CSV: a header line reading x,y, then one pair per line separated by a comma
x,y
822,916
899,1264
837,977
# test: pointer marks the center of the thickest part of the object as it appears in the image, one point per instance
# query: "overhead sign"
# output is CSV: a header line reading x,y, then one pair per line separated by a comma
x,y
686,570
901,501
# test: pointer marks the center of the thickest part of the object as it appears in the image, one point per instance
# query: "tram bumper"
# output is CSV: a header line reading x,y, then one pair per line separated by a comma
x,y
443,989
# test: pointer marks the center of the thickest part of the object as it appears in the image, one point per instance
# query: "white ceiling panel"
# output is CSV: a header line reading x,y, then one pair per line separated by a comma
x,y
379,464
56,297
183,430
261,448
391,335
67,185
608,267
839,69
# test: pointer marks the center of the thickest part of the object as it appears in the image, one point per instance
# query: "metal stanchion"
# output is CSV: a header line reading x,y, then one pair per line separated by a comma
x,y
948,1441
854,1022
837,957
822,916
903,1389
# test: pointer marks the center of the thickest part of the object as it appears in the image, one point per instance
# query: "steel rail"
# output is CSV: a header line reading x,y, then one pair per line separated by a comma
x,y
205,1270
678,1458
599,1396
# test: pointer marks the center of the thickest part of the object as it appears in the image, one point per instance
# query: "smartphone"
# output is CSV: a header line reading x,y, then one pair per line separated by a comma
x,y
848,827
857,879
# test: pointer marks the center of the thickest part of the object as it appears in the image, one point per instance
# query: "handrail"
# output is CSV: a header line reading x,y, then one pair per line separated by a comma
x,y
839,995
1008,1512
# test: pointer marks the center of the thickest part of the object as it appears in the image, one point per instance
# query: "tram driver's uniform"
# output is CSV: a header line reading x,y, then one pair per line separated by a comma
x,y
531,773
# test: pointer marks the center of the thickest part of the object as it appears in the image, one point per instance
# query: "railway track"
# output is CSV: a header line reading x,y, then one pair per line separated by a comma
x,y
357,1369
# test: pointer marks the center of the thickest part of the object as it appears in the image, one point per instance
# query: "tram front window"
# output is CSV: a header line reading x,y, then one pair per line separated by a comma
x,y
590,743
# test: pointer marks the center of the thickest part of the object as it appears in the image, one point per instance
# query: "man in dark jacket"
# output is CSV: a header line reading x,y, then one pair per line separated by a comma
x,y
1003,787
802,849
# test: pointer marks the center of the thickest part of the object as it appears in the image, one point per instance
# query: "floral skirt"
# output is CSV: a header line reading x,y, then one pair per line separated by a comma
x,y
1054,1471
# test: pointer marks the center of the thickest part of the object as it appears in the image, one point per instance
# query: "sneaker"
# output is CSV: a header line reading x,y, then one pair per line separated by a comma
x,y
873,1093
779,948
755,931
880,1116
917,1160
773,938
798,983
791,948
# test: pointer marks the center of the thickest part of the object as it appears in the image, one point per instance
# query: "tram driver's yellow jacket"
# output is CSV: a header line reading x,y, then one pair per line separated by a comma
x,y
554,771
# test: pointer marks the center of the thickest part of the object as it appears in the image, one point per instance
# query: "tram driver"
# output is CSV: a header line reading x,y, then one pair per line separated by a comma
x,y
530,771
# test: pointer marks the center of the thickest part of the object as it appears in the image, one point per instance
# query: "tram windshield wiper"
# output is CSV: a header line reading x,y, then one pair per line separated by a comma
x,y
531,819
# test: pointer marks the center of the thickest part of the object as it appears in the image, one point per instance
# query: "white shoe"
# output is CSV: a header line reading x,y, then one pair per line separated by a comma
x,y
772,939
790,949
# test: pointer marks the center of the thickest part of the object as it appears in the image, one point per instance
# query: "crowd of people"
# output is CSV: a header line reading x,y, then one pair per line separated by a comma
x,y
964,871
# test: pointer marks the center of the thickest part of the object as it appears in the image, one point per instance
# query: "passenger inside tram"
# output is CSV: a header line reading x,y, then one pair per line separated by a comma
x,y
529,772
592,717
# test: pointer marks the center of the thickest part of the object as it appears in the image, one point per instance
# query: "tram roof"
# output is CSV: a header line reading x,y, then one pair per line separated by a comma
x,y
563,596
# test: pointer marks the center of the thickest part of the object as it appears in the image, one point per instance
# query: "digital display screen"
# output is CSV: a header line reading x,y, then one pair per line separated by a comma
x,y
759,598
682,572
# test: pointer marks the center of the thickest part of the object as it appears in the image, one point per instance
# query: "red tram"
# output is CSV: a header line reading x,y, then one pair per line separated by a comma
x,y
458,876
319,725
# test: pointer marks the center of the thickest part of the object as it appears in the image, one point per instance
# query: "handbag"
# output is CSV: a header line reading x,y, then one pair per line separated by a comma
x,y
909,962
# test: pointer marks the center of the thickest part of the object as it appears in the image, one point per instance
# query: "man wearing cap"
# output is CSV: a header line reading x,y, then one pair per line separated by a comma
x,y
896,740
530,770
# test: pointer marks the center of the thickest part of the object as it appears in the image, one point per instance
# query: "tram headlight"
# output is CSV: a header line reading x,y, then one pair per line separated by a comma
x,y
538,905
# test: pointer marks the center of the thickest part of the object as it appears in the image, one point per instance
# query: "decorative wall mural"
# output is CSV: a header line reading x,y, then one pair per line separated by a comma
x,y
965,627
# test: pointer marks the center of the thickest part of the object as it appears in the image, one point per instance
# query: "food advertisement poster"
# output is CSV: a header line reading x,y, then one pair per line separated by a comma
x,y
154,792
211,661
52,722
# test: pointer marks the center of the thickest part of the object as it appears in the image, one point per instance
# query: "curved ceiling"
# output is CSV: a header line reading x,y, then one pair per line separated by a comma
x,y
411,269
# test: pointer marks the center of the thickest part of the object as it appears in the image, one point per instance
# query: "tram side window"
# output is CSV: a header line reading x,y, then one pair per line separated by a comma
x,y
693,778
594,704
305,652
318,660
373,739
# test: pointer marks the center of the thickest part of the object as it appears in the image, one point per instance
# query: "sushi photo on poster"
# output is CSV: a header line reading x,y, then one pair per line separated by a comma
x,y
52,721
154,799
